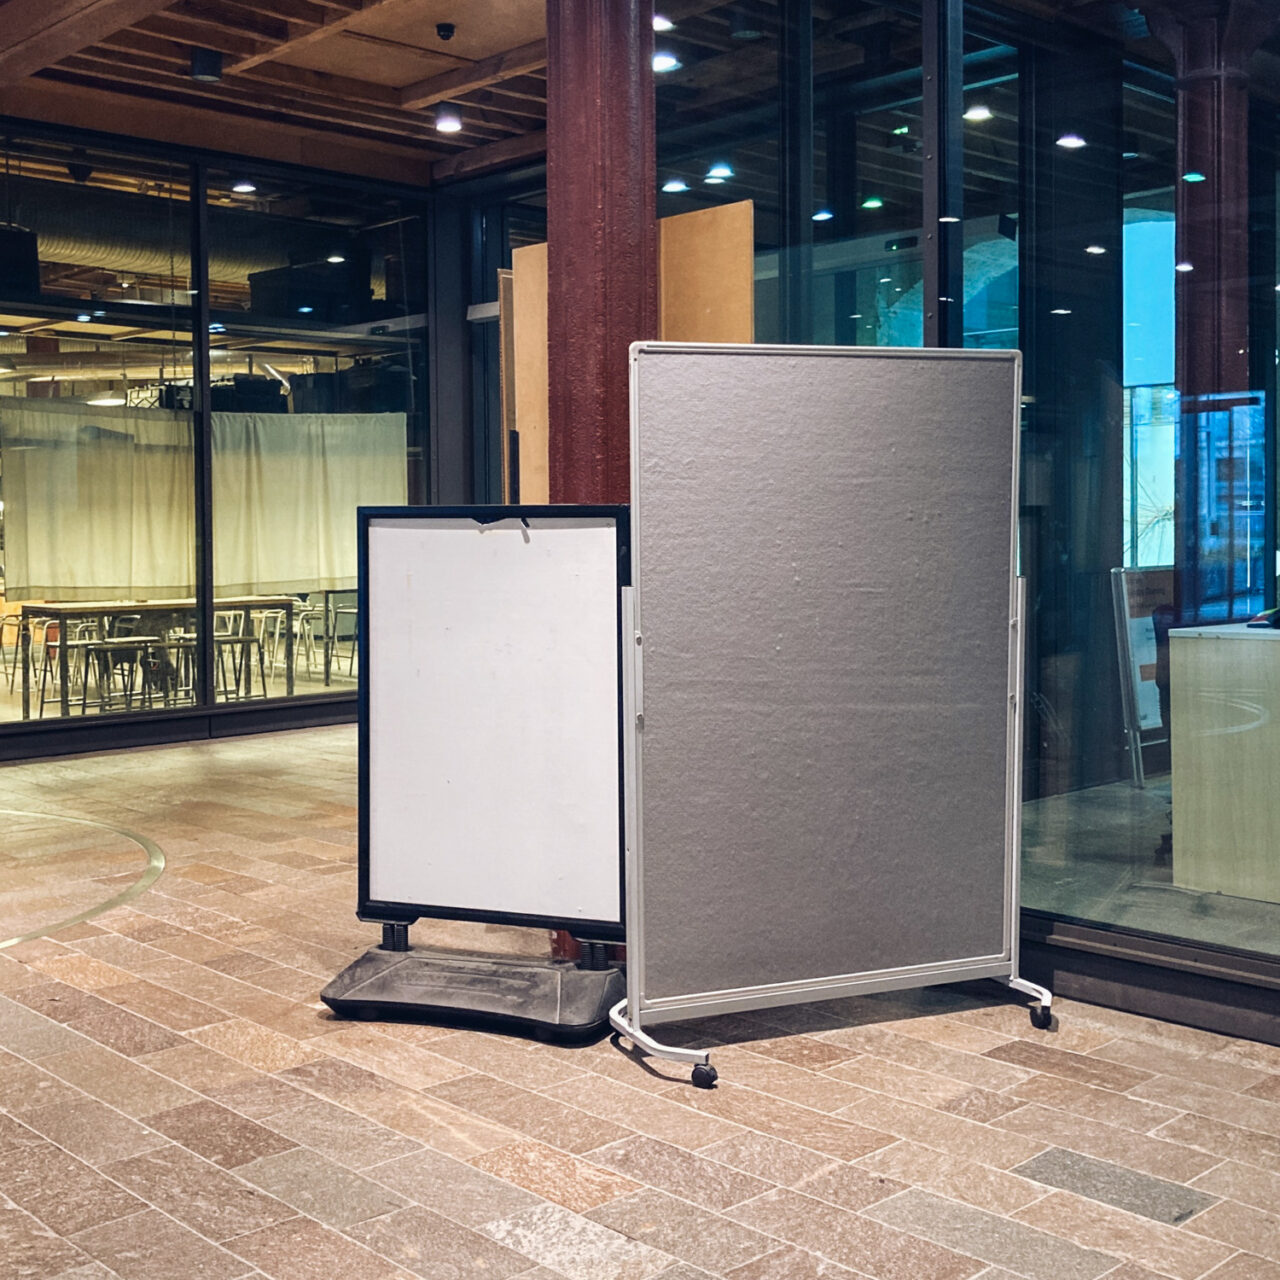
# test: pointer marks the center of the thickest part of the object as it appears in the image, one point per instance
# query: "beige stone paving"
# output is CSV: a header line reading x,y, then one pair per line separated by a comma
x,y
175,1101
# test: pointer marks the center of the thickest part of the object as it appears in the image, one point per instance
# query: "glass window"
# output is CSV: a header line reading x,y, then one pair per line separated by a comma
x,y
97,578
318,406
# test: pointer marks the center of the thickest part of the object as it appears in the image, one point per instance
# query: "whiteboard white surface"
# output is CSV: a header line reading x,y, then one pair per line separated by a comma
x,y
493,716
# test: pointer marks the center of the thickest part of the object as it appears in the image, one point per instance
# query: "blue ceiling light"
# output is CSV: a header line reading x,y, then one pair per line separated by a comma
x,y
664,60
823,215
720,170
673,186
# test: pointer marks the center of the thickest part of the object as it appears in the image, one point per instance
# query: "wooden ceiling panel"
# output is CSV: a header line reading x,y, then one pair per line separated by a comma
x,y
376,61
482,27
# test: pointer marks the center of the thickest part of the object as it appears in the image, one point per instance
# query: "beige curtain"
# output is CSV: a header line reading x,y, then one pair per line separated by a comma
x,y
98,501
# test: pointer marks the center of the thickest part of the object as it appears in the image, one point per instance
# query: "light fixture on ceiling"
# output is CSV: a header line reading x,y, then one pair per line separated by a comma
x,y
948,217
720,170
84,317
1184,266
244,187
1060,311
1096,250
823,215
902,130
1071,141
979,111
661,24
742,25
1193,176
873,202
336,258
665,60
673,186
447,119
206,65
216,327
305,311
107,400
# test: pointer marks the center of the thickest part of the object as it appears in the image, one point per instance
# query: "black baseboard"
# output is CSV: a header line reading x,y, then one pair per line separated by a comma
x,y
1232,993
36,739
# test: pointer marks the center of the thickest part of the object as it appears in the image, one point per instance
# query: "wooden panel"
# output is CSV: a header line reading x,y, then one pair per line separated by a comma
x,y
529,308
706,273
1225,722
507,383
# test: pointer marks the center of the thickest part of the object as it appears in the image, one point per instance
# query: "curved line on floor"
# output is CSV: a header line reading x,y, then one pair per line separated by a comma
x,y
155,865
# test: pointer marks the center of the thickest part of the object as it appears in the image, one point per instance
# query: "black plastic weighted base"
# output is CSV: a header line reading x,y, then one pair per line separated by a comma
x,y
1041,1018
547,999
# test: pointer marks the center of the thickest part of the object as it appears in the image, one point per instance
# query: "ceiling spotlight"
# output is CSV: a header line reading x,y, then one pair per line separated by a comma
x,y
823,215
215,327
948,217
873,202
1184,266
448,120
1095,249
1128,155
713,182
1071,141
206,65
886,279
720,170
673,186
1060,311
84,317
244,187
662,24
1193,176
305,311
902,130
979,111
663,60
742,26
336,258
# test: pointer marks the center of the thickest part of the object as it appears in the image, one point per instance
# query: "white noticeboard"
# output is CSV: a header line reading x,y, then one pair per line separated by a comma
x,y
490,744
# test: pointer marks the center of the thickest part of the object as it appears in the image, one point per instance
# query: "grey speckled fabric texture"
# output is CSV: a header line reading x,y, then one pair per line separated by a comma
x,y
823,561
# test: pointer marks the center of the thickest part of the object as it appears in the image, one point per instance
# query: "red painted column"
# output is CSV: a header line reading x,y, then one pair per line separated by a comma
x,y
602,256
1211,42
601,235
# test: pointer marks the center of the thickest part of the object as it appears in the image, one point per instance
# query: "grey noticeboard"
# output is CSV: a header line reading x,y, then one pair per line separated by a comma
x,y
823,775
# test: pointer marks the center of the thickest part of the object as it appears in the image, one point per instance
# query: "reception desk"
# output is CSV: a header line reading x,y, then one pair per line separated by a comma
x,y
1224,685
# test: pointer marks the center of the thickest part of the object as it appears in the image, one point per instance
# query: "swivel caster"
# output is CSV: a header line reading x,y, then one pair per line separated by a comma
x,y
704,1076
1041,1017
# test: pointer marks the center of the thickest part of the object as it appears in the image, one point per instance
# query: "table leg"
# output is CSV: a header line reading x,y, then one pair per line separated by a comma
x,y
288,649
26,668
328,638
64,669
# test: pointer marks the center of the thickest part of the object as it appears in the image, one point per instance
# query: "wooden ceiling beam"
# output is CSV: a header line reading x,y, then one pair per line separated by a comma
x,y
187,34
478,75
248,22
497,155
37,33
322,84
339,20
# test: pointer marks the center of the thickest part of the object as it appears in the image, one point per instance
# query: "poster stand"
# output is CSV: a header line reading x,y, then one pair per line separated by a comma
x,y
777,727
489,760
1138,596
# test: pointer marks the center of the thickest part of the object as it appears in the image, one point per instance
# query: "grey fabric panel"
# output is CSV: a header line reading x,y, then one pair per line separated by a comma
x,y
823,549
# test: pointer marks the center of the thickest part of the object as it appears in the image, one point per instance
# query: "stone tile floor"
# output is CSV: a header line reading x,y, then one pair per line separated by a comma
x,y
175,1104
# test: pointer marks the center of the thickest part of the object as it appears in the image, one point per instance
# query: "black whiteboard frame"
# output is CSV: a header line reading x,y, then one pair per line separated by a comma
x,y
383,912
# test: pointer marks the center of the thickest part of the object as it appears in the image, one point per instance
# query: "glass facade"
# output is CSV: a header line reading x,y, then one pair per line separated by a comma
x,y
1120,231
178,516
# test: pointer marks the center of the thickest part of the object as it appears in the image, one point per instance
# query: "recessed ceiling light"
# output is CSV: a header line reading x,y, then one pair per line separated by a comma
x,y
664,60
674,185
84,317
1128,155
713,182
873,202
1184,266
336,258
215,327
979,111
948,217
448,120
886,279
662,24
1071,141
244,188
1193,176
720,170
1060,311
4,333
305,311
1094,249
901,129
823,215
856,315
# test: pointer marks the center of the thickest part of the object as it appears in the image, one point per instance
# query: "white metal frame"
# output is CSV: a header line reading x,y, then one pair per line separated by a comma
x,y
630,1017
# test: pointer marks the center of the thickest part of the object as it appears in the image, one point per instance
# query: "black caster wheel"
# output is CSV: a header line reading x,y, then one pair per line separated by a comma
x,y
1041,1018
704,1077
